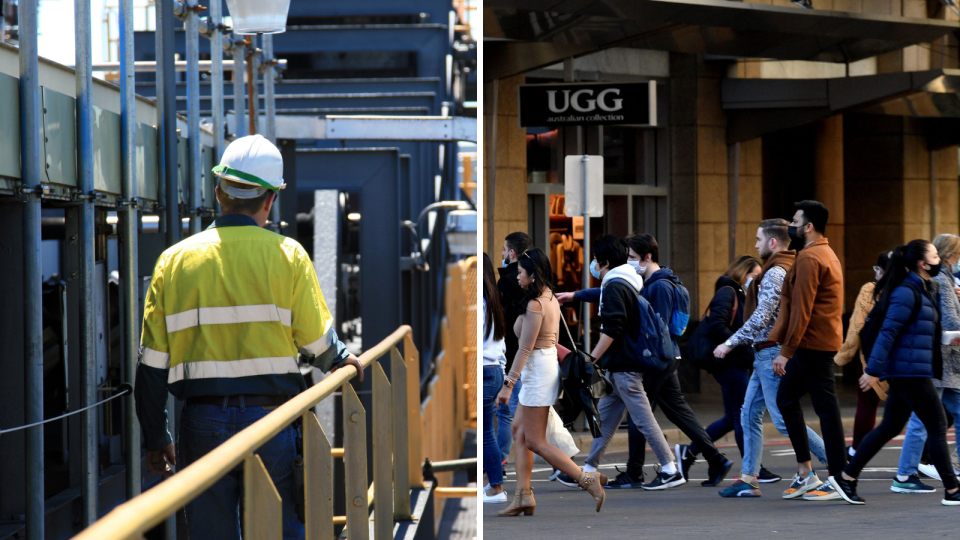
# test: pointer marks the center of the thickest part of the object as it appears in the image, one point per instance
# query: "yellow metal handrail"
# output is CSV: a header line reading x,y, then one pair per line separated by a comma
x,y
398,405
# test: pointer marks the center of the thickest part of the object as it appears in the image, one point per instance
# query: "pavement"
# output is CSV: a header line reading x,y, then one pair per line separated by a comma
x,y
693,511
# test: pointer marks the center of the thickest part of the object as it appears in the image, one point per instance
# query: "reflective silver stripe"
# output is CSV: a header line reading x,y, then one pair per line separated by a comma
x,y
228,315
154,359
231,369
319,346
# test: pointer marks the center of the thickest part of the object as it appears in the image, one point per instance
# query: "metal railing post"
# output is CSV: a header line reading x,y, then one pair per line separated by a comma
x,y
317,480
129,262
193,114
355,464
31,159
238,51
382,459
90,469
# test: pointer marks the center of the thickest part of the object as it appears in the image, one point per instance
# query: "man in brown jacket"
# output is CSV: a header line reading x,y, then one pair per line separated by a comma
x,y
810,333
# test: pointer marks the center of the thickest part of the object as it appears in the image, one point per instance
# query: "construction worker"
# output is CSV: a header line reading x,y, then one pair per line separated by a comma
x,y
227,312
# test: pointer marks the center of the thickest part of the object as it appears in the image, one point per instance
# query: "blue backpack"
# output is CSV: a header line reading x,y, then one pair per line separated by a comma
x,y
653,345
681,310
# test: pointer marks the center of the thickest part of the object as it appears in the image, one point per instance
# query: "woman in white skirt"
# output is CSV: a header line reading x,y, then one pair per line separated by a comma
x,y
536,363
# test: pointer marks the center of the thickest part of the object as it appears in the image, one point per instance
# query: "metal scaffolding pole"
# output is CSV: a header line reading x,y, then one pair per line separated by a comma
x,y
253,96
167,120
193,115
270,101
216,76
128,233
31,159
89,459
237,51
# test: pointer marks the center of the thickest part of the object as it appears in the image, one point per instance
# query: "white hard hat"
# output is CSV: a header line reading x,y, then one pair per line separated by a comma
x,y
254,161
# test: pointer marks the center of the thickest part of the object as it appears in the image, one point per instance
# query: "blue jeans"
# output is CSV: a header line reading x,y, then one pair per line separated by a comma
x,y
916,435
492,383
215,513
762,396
505,421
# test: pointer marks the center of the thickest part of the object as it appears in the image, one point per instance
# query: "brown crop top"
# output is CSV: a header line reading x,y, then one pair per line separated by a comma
x,y
537,329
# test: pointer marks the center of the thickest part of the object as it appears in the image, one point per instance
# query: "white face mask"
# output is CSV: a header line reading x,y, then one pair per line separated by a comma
x,y
641,270
747,284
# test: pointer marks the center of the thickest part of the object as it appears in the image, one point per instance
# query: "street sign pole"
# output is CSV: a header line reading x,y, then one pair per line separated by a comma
x,y
585,317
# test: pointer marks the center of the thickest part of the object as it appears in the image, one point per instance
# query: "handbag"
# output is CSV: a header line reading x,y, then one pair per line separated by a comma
x,y
600,386
700,348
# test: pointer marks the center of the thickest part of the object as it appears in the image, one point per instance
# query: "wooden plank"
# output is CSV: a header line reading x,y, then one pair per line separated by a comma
x,y
401,437
412,358
318,479
382,455
355,464
262,511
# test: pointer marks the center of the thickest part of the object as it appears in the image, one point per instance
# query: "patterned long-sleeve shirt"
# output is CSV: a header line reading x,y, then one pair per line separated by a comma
x,y
759,325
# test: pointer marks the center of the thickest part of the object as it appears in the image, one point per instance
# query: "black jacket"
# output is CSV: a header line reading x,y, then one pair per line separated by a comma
x,y
510,295
718,324
620,319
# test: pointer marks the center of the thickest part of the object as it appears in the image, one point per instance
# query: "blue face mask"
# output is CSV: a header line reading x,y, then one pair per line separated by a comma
x,y
504,262
747,284
954,268
594,271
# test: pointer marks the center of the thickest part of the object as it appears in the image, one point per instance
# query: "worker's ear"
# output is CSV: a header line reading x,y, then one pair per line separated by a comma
x,y
268,204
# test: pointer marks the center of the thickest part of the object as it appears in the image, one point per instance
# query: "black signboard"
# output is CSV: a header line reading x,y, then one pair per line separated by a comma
x,y
588,104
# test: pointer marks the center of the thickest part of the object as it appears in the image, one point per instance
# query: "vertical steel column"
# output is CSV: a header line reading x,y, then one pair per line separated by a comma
x,y
192,27
253,90
167,119
270,104
31,159
240,117
90,433
129,262
216,77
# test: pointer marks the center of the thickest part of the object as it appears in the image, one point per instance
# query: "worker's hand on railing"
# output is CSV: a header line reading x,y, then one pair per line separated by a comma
x,y
160,460
352,360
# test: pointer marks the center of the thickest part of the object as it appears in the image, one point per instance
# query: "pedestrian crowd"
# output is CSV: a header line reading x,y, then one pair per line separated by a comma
x,y
771,334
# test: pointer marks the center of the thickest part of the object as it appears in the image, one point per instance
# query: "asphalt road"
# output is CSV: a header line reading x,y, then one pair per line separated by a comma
x,y
692,511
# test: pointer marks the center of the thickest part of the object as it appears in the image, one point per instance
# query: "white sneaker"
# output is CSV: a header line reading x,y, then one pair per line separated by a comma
x,y
800,486
929,470
498,498
486,487
826,492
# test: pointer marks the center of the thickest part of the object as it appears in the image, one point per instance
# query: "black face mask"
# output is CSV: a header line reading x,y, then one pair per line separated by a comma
x,y
794,232
934,270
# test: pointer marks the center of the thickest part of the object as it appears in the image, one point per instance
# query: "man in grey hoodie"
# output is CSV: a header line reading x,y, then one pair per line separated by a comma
x,y
620,318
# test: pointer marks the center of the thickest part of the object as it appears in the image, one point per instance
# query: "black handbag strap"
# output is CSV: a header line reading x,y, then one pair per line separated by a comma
x,y
567,328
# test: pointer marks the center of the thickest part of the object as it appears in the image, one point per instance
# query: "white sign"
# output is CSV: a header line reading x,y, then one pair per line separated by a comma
x,y
574,185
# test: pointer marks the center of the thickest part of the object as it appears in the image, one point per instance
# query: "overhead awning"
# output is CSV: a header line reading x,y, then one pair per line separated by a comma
x,y
755,107
542,32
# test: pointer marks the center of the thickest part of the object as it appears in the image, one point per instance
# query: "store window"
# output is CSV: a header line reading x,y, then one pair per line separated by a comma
x,y
543,155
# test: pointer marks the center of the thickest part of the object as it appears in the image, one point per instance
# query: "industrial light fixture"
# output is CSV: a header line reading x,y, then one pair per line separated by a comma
x,y
258,16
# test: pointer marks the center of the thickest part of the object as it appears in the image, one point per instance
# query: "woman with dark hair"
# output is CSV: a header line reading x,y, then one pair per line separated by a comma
x,y
725,317
906,354
494,360
867,400
536,363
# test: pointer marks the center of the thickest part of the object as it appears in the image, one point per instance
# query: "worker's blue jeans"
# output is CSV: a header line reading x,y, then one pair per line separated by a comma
x,y
216,513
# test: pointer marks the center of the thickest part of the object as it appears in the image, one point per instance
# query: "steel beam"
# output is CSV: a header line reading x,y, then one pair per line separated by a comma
x,y
167,121
270,105
31,158
129,249
181,66
402,128
238,51
217,66
193,116
90,432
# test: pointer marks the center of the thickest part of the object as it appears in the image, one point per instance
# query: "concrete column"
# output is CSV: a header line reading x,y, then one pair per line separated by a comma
x,y
828,178
510,206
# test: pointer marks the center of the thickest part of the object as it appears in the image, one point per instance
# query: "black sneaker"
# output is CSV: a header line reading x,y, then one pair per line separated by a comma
x,y
717,471
624,481
767,477
806,4
951,499
847,489
664,481
685,459
567,481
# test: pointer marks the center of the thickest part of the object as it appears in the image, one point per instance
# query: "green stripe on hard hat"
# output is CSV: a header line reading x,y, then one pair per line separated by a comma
x,y
223,169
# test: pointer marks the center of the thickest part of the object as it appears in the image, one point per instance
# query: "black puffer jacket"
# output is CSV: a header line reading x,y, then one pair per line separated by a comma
x,y
718,324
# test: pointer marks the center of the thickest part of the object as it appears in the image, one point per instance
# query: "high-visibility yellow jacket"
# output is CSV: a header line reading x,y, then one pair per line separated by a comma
x,y
227,312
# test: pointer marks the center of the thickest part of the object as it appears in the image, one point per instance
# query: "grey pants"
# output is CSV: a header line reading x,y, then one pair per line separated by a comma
x,y
628,396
